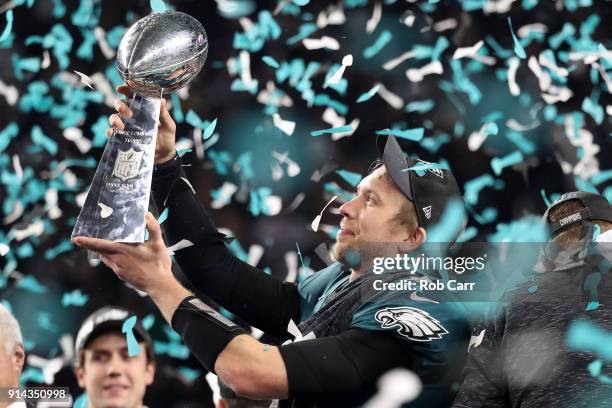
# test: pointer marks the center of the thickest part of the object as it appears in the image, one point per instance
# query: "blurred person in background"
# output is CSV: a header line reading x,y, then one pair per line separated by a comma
x,y
523,359
111,377
12,355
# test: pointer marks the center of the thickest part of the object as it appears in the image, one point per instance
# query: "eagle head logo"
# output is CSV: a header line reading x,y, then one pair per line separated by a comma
x,y
414,324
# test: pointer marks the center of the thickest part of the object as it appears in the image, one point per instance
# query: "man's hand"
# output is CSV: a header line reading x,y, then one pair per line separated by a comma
x,y
146,266
166,132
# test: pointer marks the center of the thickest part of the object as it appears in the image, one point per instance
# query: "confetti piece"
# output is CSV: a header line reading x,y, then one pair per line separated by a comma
x,y
9,26
158,6
375,19
105,210
350,177
389,65
9,92
85,80
369,94
417,74
499,163
286,126
347,61
293,169
270,61
30,284
414,135
39,138
127,328
331,130
420,106
182,244
585,336
315,223
544,79
476,139
208,131
518,48
329,43
395,388
468,51
74,298
222,196
392,99
384,38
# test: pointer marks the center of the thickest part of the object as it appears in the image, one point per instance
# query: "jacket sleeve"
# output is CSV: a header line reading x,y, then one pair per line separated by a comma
x,y
210,268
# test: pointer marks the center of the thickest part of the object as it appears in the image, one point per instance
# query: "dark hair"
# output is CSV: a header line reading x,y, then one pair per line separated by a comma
x,y
407,213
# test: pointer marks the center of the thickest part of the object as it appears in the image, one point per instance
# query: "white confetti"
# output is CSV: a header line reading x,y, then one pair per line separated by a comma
x,y
291,260
334,15
525,30
4,249
75,135
556,94
51,204
274,204
315,223
476,139
347,61
105,210
447,24
497,6
103,85
286,126
515,125
389,65
468,51
319,43
245,70
375,19
475,341
417,74
255,254
46,61
395,388
225,194
514,63
354,125
182,244
100,35
9,92
85,79
33,230
544,79
392,99
293,169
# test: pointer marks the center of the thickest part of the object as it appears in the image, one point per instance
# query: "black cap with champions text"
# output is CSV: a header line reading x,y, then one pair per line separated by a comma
x,y
430,189
596,207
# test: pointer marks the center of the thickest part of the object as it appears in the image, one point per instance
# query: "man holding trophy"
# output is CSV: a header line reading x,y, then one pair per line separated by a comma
x,y
345,347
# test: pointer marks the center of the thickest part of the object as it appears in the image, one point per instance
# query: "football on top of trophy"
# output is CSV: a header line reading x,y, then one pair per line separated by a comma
x,y
162,52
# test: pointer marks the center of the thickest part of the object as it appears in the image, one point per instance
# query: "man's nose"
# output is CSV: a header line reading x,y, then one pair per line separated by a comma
x,y
115,366
349,208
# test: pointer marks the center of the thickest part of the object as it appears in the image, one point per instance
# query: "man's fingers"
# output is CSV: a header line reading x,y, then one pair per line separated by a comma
x,y
164,115
155,234
101,246
115,121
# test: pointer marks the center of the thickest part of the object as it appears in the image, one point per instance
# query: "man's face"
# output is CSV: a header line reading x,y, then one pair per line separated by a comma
x,y
110,377
371,217
10,365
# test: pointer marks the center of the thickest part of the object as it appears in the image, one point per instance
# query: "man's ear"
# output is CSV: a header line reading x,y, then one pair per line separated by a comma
x,y
150,374
80,375
413,240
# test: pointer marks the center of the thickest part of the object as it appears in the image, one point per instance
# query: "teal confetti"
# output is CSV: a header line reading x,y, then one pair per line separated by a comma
x,y
32,374
300,3
74,298
163,216
340,129
499,163
303,32
172,349
30,284
350,177
43,320
421,168
209,129
592,305
526,145
414,135
419,106
148,321
62,247
270,61
189,374
9,26
127,328
518,48
532,289
596,111
384,38
473,187
450,224
39,138
158,6
369,94
81,402
8,134
585,336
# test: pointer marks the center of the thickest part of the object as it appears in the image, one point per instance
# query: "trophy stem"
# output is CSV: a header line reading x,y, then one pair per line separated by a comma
x,y
120,191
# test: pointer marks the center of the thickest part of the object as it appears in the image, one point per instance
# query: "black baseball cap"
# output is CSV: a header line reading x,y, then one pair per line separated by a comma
x,y
109,319
596,207
430,192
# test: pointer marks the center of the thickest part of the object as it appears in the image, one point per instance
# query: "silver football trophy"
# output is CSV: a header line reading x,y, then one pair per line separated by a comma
x,y
159,54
